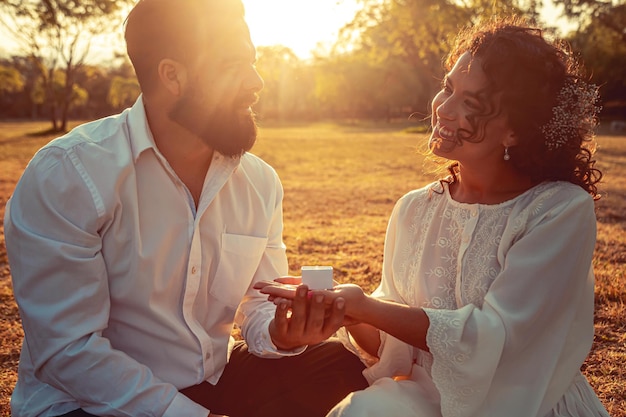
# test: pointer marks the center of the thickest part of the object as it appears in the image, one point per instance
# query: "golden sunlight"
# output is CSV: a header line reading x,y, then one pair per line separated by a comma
x,y
301,25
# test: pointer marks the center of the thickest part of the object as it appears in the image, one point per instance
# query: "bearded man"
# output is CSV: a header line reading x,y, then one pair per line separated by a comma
x,y
135,241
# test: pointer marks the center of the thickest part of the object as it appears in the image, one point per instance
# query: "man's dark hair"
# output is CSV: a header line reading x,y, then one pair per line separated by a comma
x,y
175,29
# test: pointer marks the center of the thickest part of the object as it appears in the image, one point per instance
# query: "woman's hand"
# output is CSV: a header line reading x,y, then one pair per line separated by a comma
x,y
284,290
409,324
301,318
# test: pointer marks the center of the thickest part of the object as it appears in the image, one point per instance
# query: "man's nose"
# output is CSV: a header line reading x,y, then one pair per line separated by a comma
x,y
254,82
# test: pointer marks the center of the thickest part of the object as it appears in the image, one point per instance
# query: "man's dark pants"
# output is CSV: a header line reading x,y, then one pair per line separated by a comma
x,y
306,385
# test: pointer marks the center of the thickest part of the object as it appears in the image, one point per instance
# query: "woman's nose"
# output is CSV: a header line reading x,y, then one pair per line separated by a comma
x,y
444,109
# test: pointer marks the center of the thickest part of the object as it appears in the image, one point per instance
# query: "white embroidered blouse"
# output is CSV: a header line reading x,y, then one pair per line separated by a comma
x,y
509,291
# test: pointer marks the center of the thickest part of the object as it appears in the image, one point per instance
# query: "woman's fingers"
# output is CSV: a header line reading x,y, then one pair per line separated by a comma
x,y
289,280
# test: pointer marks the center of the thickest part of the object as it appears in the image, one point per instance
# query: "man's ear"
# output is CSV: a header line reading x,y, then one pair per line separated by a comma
x,y
172,75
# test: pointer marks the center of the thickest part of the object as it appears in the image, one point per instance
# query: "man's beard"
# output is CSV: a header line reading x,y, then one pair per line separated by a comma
x,y
227,130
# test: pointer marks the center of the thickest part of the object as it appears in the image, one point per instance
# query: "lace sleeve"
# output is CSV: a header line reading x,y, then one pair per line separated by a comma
x,y
462,368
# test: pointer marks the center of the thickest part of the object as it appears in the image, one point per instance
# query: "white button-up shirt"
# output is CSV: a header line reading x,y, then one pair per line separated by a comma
x,y
126,293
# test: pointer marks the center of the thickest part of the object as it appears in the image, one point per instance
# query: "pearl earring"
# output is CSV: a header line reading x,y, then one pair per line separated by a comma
x,y
506,154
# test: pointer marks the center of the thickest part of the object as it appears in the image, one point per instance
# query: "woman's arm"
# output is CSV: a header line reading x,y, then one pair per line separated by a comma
x,y
408,324
366,336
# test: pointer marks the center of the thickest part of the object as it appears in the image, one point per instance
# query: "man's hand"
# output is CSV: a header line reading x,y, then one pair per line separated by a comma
x,y
305,319
309,317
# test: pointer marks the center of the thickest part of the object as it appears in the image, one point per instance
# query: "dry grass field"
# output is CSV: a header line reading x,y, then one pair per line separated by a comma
x,y
341,182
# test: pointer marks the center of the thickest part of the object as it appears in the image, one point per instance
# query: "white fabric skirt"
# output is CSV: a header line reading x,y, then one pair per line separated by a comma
x,y
415,398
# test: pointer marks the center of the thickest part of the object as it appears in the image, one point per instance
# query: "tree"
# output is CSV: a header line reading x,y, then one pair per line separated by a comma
x,y
346,86
55,34
16,100
289,84
407,39
55,90
604,54
606,13
123,92
11,80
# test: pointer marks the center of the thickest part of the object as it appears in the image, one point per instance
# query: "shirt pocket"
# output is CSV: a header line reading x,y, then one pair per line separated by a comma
x,y
239,259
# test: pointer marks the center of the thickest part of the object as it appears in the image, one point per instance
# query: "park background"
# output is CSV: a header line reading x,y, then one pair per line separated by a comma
x,y
333,122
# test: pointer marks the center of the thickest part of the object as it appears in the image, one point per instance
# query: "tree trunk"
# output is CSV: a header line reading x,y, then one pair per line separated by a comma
x,y
68,91
53,116
64,115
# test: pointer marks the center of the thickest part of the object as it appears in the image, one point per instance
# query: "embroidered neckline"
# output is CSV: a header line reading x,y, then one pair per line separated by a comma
x,y
446,190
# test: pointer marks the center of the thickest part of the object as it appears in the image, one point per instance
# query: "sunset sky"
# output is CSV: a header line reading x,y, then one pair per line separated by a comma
x,y
298,24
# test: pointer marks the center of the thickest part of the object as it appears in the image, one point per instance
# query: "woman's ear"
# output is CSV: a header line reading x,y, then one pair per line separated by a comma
x,y
510,140
172,75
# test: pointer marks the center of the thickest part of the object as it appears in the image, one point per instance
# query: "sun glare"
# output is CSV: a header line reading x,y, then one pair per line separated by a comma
x,y
298,24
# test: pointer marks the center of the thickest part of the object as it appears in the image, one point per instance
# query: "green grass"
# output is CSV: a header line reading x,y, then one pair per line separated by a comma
x,y
341,182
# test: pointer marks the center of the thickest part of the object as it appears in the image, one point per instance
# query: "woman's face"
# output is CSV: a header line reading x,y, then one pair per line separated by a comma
x,y
462,97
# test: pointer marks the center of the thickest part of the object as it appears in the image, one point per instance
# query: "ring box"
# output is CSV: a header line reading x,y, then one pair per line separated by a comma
x,y
317,277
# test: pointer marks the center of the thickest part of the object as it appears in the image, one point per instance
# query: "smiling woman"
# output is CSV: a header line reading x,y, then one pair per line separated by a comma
x,y
298,24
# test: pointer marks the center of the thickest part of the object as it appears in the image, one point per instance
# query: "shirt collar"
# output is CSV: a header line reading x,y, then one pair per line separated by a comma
x,y
141,137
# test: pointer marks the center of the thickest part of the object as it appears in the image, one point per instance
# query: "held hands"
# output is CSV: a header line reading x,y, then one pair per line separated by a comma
x,y
306,317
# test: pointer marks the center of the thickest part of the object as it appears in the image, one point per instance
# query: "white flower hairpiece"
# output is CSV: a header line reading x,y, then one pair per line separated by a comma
x,y
575,111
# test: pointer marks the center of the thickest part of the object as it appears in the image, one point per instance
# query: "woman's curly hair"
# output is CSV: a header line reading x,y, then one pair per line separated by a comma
x,y
529,72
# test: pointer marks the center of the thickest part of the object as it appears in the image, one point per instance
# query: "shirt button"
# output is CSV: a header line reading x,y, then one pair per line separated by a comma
x,y
193,269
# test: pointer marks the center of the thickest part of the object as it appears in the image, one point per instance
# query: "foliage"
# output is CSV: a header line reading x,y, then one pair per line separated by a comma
x,y
604,53
411,37
385,65
55,34
11,80
288,84
347,86
123,91
57,86
606,13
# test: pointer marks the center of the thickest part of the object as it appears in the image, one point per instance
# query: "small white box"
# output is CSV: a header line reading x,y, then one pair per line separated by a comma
x,y
317,277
